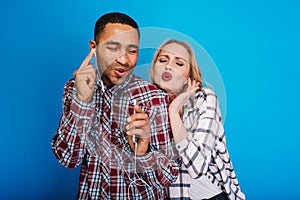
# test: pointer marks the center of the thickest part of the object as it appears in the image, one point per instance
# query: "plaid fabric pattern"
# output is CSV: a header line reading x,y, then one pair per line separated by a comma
x,y
94,135
203,152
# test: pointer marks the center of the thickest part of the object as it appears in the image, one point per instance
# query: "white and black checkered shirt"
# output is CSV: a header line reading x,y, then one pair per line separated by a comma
x,y
204,151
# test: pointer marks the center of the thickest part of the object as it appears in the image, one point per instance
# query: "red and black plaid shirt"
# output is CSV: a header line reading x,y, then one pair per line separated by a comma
x,y
94,135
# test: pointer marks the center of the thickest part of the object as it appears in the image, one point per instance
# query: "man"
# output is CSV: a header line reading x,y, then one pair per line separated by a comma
x,y
114,123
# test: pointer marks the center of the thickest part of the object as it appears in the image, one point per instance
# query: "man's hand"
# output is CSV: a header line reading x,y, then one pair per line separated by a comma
x,y
85,79
138,126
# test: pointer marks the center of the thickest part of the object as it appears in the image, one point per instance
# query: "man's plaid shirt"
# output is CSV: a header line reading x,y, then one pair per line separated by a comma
x,y
94,135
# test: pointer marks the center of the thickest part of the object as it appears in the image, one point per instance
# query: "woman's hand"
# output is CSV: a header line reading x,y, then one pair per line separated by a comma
x,y
180,100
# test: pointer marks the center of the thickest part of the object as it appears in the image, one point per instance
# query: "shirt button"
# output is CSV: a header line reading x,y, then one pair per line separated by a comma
x,y
178,146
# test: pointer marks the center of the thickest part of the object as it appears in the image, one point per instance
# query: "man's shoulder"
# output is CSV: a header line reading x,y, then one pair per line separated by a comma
x,y
138,82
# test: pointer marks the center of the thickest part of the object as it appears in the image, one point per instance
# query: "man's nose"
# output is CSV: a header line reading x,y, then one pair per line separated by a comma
x,y
123,59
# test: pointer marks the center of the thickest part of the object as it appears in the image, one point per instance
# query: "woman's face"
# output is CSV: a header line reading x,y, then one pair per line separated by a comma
x,y
171,68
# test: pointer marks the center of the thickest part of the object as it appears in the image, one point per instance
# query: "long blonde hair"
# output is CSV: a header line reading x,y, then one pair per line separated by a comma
x,y
194,74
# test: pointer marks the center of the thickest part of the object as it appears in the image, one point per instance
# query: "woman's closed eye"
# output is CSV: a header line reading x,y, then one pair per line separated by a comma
x,y
162,60
180,64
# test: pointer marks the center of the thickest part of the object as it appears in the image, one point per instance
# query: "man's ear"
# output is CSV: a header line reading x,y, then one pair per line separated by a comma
x,y
92,44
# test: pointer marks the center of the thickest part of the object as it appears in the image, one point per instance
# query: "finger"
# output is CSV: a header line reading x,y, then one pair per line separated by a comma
x,y
197,84
138,109
189,82
136,125
137,117
190,85
139,123
129,127
88,59
75,73
82,68
139,114
87,69
140,133
194,84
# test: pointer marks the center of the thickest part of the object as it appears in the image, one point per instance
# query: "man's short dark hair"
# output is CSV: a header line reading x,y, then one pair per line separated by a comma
x,y
114,17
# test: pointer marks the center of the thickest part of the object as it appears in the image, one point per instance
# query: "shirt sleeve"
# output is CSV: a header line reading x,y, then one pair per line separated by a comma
x,y
160,164
68,144
203,131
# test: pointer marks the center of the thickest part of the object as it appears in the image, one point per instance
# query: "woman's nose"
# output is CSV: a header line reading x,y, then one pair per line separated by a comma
x,y
168,67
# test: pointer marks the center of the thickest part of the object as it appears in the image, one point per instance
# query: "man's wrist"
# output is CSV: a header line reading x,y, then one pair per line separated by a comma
x,y
85,99
143,146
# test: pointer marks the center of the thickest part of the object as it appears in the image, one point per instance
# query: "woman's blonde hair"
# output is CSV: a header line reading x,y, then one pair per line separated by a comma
x,y
194,74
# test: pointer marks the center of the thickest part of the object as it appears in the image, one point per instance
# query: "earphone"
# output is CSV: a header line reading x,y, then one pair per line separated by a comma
x,y
135,181
96,67
134,137
94,51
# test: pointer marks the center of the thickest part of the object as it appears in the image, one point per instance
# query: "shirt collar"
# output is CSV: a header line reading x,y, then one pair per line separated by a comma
x,y
113,88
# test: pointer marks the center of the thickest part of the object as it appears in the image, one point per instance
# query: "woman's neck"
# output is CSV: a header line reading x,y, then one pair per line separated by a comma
x,y
172,96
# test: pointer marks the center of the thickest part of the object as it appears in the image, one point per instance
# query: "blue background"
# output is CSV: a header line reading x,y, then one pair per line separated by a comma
x,y
254,44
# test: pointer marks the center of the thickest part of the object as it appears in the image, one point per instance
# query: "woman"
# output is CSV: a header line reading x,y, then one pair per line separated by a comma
x,y
206,170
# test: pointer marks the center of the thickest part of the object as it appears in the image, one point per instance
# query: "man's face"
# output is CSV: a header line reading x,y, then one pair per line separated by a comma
x,y
117,53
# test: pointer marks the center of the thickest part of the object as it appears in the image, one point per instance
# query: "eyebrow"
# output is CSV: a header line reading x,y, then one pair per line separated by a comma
x,y
113,43
133,46
119,44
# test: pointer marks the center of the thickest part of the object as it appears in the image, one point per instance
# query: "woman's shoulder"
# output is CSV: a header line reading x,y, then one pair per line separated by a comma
x,y
205,94
206,100
207,91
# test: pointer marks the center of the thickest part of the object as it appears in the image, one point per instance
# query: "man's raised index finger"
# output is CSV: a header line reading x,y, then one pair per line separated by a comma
x,y
89,57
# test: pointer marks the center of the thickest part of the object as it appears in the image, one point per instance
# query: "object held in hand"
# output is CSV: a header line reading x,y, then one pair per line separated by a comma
x,y
134,137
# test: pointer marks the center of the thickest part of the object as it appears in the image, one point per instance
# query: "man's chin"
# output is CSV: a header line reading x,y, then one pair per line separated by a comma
x,y
119,80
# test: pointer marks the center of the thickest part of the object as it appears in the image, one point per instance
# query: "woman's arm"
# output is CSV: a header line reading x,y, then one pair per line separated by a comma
x,y
196,139
175,109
